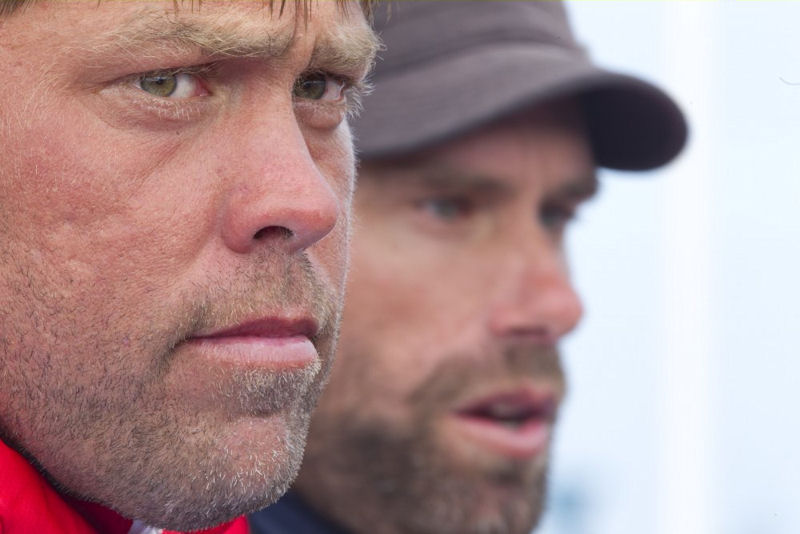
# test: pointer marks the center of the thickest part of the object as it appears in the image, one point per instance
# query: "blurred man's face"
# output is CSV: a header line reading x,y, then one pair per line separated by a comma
x,y
174,199
440,410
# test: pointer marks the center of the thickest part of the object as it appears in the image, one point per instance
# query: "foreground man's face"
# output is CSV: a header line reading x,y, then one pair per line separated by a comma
x,y
175,191
439,413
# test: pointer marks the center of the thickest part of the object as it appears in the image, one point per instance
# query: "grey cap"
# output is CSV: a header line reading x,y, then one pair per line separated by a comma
x,y
451,66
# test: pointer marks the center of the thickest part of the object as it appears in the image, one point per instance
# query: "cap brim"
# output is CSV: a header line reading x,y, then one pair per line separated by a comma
x,y
632,124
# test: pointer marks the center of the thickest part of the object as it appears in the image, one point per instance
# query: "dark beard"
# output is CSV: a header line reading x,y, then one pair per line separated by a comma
x,y
383,473
421,492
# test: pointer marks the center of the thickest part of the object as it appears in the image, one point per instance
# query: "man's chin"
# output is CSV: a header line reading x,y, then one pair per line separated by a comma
x,y
199,514
474,493
480,508
213,475
230,462
515,510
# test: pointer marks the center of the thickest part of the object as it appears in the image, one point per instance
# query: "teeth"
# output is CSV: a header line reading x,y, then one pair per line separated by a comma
x,y
511,425
506,410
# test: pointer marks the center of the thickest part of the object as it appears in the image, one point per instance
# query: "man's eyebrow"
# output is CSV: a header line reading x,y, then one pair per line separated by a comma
x,y
233,37
226,38
580,189
447,179
345,51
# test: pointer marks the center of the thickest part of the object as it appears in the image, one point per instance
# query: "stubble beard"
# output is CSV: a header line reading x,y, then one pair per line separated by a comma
x,y
117,436
363,470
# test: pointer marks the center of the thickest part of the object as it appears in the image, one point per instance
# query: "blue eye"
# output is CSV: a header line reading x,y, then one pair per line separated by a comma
x,y
448,208
556,217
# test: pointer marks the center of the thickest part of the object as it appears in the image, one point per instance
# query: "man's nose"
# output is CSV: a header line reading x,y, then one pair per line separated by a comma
x,y
279,194
536,299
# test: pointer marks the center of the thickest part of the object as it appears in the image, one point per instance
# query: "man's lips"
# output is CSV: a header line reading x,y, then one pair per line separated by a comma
x,y
268,327
275,342
514,423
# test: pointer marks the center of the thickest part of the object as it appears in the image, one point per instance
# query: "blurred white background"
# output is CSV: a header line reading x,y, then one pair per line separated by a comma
x,y
684,375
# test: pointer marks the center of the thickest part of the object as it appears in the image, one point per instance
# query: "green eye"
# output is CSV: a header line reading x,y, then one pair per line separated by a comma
x,y
311,86
159,85
172,85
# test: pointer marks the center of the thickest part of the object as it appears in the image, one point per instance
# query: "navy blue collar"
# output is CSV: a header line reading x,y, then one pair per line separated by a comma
x,y
290,515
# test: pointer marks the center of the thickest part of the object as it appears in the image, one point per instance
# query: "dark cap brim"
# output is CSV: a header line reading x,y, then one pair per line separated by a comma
x,y
632,124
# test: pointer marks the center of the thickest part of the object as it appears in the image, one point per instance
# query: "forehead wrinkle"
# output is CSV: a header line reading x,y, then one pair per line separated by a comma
x,y
231,41
218,36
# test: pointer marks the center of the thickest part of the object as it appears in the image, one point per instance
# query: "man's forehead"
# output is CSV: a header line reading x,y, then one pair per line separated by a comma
x,y
464,164
341,38
239,29
9,6
224,33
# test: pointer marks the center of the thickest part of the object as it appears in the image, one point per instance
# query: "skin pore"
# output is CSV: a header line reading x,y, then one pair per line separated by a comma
x,y
458,292
168,177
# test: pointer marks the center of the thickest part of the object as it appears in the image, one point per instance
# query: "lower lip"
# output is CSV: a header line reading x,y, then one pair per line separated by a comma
x,y
523,442
277,353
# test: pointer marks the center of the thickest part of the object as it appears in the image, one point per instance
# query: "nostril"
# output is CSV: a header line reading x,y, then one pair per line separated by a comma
x,y
273,232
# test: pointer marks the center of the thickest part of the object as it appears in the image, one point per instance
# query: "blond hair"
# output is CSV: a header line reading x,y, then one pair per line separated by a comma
x,y
10,6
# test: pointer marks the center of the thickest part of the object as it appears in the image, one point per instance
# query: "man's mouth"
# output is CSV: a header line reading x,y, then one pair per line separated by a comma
x,y
266,327
511,410
279,343
516,424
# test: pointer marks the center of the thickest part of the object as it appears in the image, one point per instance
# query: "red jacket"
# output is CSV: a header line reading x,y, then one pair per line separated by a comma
x,y
29,505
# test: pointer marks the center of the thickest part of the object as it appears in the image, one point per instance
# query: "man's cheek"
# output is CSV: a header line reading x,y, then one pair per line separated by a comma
x,y
332,152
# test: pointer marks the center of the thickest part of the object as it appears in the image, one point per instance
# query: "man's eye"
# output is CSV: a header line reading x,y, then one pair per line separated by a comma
x,y
171,85
557,217
318,86
448,209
